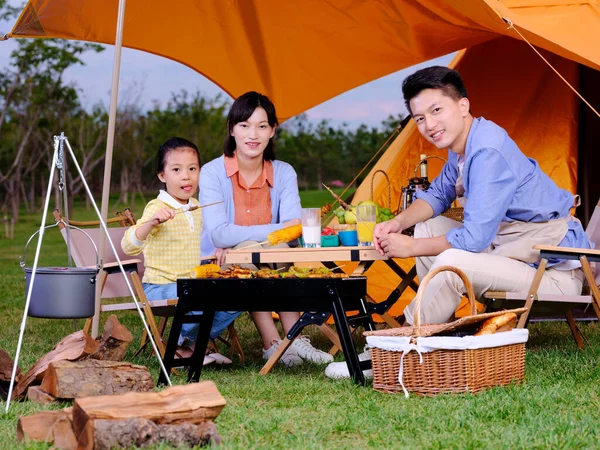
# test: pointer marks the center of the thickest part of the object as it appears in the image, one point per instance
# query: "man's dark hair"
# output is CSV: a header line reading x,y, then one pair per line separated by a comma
x,y
170,144
241,110
435,77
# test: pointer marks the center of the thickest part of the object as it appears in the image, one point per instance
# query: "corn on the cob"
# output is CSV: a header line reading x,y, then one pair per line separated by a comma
x,y
285,235
204,270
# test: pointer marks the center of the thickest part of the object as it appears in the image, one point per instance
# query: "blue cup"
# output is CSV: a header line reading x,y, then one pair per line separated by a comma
x,y
349,238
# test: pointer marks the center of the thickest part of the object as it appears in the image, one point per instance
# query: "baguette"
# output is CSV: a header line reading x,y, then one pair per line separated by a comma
x,y
505,322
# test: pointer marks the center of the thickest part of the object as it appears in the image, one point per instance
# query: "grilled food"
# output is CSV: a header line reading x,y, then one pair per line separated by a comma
x,y
284,235
204,271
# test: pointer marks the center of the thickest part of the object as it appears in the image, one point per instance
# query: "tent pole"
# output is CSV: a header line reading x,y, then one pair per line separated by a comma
x,y
110,137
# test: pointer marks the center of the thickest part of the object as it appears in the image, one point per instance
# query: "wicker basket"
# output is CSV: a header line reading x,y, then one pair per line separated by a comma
x,y
445,371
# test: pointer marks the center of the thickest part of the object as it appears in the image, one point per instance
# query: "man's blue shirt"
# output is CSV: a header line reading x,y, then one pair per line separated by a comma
x,y
501,184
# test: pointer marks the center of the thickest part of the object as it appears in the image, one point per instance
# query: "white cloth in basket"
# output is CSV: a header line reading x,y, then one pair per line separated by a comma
x,y
429,344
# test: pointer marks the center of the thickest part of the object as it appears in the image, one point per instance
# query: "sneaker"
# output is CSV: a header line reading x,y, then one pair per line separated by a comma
x,y
306,351
217,357
289,358
338,370
187,352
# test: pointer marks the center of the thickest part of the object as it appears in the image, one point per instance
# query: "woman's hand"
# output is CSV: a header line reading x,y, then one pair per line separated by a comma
x,y
291,223
220,254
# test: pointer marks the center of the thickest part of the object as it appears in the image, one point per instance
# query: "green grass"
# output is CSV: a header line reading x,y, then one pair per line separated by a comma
x,y
557,407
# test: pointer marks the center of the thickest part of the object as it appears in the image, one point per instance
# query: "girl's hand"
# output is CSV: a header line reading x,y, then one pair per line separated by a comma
x,y
220,254
291,223
162,215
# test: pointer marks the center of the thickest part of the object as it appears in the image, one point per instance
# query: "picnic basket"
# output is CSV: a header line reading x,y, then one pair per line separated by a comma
x,y
429,365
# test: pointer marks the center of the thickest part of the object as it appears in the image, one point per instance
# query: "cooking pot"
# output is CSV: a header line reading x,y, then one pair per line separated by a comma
x,y
62,292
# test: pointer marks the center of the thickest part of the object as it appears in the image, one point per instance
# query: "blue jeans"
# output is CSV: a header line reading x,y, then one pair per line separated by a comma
x,y
189,331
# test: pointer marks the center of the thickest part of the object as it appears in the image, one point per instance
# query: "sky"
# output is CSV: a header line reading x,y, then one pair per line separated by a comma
x,y
155,78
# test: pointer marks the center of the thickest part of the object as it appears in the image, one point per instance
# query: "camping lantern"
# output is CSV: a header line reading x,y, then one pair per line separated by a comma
x,y
62,292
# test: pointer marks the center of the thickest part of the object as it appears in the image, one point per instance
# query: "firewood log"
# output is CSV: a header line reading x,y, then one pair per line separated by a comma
x,y
38,395
73,347
6,368
38,427
113,342
64,437
194,403
102,434
76,379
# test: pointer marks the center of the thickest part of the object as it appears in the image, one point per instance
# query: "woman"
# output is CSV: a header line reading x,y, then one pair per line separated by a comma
x,y
260,195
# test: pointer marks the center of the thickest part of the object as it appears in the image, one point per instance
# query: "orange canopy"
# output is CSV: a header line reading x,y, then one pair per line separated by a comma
x,y
304,52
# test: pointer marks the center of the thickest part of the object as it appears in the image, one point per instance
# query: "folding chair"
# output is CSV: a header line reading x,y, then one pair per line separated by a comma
x,y
590,294
114,286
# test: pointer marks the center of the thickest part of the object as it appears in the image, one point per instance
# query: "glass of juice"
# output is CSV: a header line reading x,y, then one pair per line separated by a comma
x,y
311,227
366,216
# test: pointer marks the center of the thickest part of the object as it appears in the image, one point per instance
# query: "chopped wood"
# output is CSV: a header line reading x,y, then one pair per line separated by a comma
x,y
113,342
103,434
73,347
194,403
64,437
38,427
6,367
76,379
37,395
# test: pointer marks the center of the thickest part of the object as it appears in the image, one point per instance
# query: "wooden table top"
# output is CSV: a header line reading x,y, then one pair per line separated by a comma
x,y
259,255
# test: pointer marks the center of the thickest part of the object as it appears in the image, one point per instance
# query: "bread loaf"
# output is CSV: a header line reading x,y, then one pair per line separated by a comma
x,y
505,322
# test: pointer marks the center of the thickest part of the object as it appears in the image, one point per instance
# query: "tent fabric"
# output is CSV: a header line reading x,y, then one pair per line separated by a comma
x,y
521,94
303,52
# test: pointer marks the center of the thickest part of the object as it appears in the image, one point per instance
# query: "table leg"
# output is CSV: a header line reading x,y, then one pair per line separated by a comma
x,y
348,347
197,359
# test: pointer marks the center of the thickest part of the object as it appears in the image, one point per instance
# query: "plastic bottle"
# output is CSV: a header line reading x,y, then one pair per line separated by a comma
x,y
423,166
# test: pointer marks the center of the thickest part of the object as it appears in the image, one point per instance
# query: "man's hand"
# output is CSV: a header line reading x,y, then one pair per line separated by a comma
x,y
220,254
396,245
383,229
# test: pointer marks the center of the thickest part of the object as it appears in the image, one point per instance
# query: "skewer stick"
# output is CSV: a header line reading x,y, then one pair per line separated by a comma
x,y
337,197
256,244
190,209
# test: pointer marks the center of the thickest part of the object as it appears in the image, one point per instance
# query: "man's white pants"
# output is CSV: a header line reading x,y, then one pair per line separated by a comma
x,y
485,271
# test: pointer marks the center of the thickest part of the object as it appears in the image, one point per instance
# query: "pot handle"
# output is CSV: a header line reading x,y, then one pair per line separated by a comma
x,y
23,262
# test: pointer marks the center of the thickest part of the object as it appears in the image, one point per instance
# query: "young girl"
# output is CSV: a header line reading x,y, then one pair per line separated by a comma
x,y
171,242
260,195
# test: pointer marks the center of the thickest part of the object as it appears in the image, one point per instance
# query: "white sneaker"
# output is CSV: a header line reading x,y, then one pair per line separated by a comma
x,y
306,351
289,358
218,358
338,370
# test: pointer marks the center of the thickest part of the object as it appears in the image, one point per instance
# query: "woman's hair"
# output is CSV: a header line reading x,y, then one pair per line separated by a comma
x,y
435,77
241,110
173,143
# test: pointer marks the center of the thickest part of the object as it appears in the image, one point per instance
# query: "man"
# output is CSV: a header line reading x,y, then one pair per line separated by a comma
x,y
509,206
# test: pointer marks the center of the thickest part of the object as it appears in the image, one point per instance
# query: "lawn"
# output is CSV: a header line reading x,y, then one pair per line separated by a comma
x,y
557,407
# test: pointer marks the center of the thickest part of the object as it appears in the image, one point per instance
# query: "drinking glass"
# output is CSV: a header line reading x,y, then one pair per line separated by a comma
x,y
366,216
311,227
